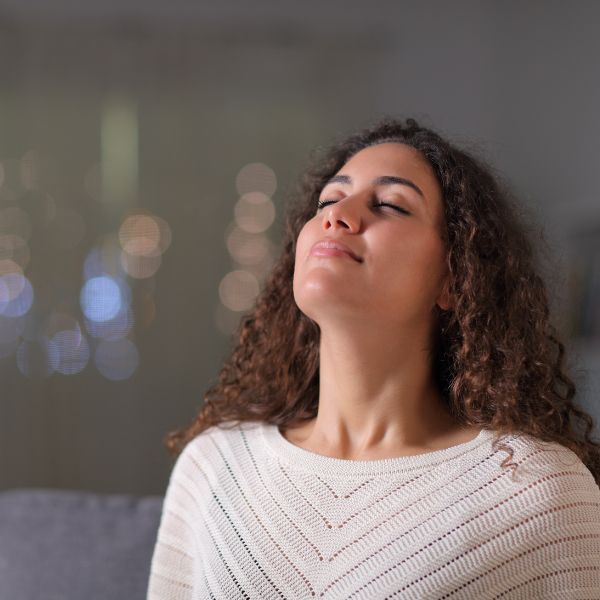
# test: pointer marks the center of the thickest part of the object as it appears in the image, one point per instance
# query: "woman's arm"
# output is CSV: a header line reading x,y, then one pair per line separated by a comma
x,y
172,567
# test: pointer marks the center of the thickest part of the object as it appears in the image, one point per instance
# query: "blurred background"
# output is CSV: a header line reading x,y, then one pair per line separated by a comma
x,y
146,150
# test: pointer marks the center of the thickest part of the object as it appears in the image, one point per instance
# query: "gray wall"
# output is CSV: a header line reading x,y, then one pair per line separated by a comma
x,y
224,85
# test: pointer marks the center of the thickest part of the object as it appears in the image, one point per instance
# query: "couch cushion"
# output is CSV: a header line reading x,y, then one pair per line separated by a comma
x,y
70,545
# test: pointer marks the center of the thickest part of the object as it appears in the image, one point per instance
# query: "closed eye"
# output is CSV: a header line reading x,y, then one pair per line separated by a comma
x,y
322,203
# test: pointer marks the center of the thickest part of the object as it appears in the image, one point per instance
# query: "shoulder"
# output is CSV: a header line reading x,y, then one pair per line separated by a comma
x,y
548,520
538,459
225,434
550,478
213,449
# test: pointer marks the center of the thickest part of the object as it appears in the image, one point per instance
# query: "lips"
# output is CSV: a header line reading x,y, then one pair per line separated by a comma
x,y
336,245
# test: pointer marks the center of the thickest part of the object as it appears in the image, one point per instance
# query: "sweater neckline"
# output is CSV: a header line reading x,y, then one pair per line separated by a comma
x,y
307,460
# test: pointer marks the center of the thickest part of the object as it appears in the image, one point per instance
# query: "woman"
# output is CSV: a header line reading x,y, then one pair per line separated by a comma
x,y
395,420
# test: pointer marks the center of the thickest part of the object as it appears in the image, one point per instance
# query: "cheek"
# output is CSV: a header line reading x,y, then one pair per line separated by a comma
x,y
424,246
435,253
415,267
432,265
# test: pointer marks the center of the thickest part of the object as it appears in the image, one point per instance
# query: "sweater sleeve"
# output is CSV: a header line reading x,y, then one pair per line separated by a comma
x,y
556,536
174,557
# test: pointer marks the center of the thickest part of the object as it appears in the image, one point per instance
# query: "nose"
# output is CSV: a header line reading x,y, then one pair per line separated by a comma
x,y
341,213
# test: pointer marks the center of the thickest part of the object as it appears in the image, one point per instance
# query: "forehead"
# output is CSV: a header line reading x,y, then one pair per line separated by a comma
x,y
394,158
391,155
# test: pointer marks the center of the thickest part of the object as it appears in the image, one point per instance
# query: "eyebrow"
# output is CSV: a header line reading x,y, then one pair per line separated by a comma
x,y
381,180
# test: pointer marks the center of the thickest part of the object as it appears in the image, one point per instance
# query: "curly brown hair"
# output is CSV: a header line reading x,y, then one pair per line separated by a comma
x,y
498,361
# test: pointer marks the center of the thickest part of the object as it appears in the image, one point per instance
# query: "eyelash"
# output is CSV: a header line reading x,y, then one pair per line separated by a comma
x,y
322,203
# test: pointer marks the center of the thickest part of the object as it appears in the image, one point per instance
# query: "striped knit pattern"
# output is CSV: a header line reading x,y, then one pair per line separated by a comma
x,y
248,514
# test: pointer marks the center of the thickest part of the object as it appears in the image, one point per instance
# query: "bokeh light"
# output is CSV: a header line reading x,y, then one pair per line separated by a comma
x,y
256,177
165,234
139,235
140,267
254,212
101,298
104,258
64,343
16,295
8,265
73,350
116,328
144,234
143,238
238,290
116,360
247,248
247,244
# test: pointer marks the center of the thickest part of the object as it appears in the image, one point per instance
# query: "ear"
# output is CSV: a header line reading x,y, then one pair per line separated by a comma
x,y
444,300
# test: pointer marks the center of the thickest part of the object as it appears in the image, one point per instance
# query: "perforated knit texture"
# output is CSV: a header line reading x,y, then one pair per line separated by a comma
x,y
248,514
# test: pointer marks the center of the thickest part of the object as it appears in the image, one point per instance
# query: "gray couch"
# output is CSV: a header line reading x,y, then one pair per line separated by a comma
x,y
73,545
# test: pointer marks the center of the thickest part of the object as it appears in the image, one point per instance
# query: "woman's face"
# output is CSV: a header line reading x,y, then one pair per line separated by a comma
x,y
402,268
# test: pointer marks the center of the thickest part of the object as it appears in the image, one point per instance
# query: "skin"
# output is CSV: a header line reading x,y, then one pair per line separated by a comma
x,y
377,397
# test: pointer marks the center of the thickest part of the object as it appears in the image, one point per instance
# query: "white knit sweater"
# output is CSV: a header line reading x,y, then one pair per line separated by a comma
x,y
248,514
